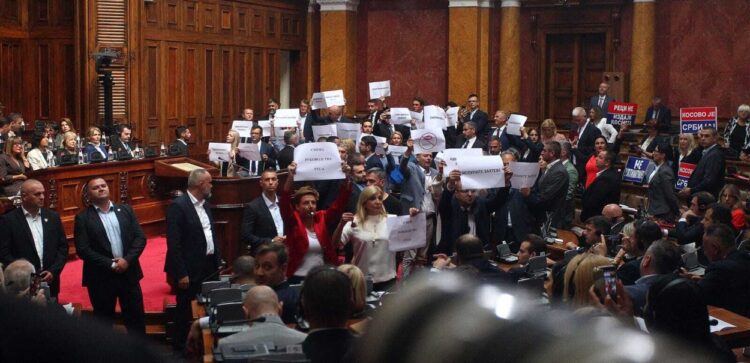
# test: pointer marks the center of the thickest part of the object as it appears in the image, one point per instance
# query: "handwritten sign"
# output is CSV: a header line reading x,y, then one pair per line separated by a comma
x,y
286,117
524,174
380,89
323,131
621,113
683,175
327,99
428,141
482,172
515,123
400,116
219,151
317,161
406,232
693,119
635,169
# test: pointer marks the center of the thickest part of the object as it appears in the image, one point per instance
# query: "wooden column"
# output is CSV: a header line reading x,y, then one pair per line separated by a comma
x,y
642,67
338,47
510,56
468,50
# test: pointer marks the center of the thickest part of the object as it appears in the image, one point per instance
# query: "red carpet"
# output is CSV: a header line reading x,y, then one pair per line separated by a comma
x,y
154,283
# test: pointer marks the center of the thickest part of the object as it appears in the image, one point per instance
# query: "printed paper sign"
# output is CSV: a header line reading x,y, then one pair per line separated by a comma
x,y
317,161
286,117
515,123
435,118
396,150
400,116
452,157
452,114
323,131
219,151
327,99
416,115
428,141
243,127
621,113
524,174
482,172
693,119
266,126
249,151
406,232
380,89
683,175
635,169
346,130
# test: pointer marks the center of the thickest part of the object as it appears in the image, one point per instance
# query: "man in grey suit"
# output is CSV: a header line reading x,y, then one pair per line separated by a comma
x,y
551,187
602,99
262,308
421,189
662,200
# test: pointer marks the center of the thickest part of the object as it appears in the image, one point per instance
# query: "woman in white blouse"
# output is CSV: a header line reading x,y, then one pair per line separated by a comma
x,y
367,230
597,118
40,157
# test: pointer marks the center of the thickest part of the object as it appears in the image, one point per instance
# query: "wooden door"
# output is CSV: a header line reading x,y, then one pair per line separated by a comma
x,y
574,67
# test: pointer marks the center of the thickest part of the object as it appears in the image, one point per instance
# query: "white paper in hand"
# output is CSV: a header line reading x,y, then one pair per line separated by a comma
x,y
428,141
406,232
515,122
286,117
380,89
249,151
317,161
219,151
524,174
482,172
400,116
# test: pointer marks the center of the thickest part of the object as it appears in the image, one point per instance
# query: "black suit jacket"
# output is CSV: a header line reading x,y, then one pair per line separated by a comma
x,y
118,145
549,191
481,119
726,283
661,196
181,147
663,117
383,130
604,190
285,156
311,119
186,243
709,173
373,162
605,106
329,346
94,248
17,242
478,143
585,146
454,218
257,224
522,220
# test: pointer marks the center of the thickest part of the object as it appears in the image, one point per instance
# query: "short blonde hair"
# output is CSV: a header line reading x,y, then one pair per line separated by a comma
x,y
547,123
743,107
358,285
367,194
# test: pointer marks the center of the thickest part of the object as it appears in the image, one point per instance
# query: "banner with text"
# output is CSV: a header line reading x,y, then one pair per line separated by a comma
x,y
219,151
318,161
428,141
327,99
323,131
515,123
286,117
451,157
482,172
347,130
435,118
635,169
693,119
249,151
524,174
380,89
621,113
406,232
243,127
683,175
400,116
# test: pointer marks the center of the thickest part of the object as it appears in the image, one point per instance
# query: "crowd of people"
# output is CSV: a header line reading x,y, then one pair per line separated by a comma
x,y
297,232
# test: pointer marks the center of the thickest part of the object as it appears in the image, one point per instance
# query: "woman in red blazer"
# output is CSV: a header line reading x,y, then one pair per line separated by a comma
x,y
307,237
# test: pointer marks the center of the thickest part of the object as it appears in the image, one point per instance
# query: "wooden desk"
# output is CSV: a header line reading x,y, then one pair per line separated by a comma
x,y
736,337
556,251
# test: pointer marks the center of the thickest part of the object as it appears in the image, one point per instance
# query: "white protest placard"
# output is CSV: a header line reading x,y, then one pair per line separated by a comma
x,y
452,114
317,161
219,151
452,157
249,151
286,117
515,123
416,115
406,232
400,116
524,174
482,172
266,126
380,89
435,118
346,130
327,99
323,131
396,150
428,141
243,127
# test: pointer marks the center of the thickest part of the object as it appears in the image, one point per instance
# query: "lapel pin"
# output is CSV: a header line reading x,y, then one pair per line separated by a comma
x,y
46,220
118,209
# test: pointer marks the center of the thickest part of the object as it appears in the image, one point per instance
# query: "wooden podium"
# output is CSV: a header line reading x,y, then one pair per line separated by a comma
x,y
180,167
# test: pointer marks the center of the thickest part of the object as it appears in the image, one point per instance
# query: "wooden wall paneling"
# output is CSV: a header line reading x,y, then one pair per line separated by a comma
x,y
257,22
172,14
42,89
65,12
272,77
173,65
272,19
243,20
151,78
256,78
66,89
151,14
10,73
191,15
244,91
225,18
190,82
211,90
39,13
227,85
208,17
11,13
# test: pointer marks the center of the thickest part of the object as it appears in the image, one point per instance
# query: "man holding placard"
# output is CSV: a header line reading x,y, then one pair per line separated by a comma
x,y
709,173
548,194
385,128
267,153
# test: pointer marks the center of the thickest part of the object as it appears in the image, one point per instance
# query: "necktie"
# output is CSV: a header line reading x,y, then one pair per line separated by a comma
x,y
601,101
253,167
466,144
656,114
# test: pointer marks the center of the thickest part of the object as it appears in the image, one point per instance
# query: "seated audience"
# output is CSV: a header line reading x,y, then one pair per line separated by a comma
x,y
40,157
604,189
470,252
69,144
18,282
359,288
579,277
327,303
243,272
122,141
731,198
690,227
65,126
661,258
13,165
636,238
532,246
549,132
94,146
596,229
306,227
271,263
646,147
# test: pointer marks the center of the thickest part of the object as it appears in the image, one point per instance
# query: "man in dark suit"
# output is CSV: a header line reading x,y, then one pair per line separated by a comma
x,y
310,118
192,247
513,221
583,140
375,109
109,240
551,187
273,105
501,121
469,139
602,99
267,153
182,133
661,115
35,234
261,221
475,115
384,127
726,283
708,175
286,155
122,141
367,147
463,211
604,190
662,200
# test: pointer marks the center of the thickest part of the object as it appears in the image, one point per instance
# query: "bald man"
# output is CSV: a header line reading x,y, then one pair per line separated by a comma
x,y
263,311
35,234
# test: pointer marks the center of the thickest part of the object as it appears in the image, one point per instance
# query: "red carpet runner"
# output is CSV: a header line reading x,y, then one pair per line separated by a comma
x,y
154,283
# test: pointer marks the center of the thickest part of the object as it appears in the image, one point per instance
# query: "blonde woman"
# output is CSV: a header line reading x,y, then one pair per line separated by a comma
x,y
579,277
359,287
368,232
687,152
94,135
549,132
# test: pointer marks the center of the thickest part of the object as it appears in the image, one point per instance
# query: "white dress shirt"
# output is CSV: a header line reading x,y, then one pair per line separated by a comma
x,y
37,233
205,222
273,207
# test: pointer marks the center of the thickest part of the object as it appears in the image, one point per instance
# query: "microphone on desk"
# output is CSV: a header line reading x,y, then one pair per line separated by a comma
x,y
218,270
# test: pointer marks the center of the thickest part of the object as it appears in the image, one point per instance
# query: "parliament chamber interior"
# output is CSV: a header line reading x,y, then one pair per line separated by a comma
x,y
374,180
